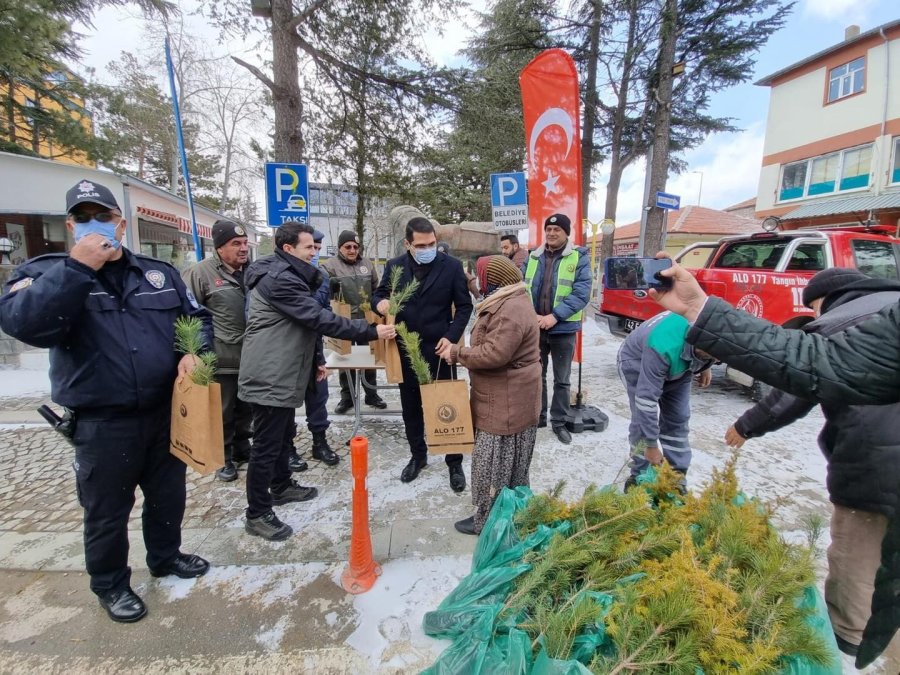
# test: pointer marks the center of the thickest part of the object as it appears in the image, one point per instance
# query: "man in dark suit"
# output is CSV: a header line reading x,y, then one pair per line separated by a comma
x,y
430,313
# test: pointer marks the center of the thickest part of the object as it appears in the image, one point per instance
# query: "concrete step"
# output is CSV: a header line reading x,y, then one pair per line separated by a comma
x,y
34,359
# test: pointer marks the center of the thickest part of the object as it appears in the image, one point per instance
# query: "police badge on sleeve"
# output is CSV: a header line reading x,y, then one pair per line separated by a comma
x,y
156,278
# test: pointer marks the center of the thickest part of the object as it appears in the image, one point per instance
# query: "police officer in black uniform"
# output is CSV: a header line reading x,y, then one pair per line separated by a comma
x,y
108,316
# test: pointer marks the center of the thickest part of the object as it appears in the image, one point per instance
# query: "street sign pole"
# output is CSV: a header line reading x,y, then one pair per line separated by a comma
x,y
198,252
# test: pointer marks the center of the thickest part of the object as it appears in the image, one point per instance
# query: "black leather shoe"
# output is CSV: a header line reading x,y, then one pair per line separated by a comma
x,y
295,464
183,565
466,526
123,605
376,402
411,471
343,406
457,478
563,434
227,473
322,451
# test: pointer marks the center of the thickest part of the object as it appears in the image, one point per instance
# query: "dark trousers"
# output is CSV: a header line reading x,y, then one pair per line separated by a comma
x,y
114,454
316,411
273,439
348,382
237,419
411,403
560,348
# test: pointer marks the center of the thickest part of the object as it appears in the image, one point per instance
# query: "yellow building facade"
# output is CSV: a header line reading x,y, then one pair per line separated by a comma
x,y
27,134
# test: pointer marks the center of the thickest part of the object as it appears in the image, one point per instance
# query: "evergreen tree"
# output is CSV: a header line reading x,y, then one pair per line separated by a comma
x,y
487,133
717,41
135,122
42,101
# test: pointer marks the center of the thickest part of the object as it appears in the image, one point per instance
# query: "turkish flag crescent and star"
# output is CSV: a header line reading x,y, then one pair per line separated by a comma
x,y
551,103
553,133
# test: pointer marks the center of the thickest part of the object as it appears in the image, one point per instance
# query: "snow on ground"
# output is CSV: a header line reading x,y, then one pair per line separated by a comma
x,y
385,624
389,624
16,382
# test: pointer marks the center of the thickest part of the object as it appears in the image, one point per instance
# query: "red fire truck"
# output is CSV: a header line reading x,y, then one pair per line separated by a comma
x,y
765,274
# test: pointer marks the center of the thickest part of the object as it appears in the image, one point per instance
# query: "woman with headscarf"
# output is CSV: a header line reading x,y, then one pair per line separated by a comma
x,y
504,364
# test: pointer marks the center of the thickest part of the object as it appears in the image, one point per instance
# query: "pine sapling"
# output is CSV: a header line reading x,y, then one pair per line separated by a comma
x,y
413,344
189,340
400,295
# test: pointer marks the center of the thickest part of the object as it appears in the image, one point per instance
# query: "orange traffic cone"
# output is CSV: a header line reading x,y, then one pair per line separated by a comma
x,y
362,570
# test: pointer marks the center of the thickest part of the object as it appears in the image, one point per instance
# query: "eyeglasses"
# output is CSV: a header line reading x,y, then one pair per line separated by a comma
x,y
100,217
350,247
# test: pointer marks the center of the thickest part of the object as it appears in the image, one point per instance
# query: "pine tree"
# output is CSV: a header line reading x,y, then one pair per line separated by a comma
x,y
677,582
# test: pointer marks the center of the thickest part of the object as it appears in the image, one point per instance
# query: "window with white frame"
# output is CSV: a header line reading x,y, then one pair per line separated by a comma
x,y
847,79
826,174
895,165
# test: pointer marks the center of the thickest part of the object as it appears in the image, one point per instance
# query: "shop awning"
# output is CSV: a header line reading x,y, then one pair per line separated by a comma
x,y
182,224
834,207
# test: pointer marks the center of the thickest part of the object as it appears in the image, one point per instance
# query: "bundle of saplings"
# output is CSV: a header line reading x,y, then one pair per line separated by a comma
x,y
650,581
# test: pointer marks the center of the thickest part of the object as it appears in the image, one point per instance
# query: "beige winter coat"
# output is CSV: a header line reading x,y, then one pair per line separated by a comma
x,y
504,362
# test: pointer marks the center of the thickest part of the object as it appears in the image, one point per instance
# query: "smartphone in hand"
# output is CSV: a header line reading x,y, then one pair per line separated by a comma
x,y
633,274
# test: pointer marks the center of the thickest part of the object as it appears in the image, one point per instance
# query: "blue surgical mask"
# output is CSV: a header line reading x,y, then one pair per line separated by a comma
x,y
107,230
424,256
315,260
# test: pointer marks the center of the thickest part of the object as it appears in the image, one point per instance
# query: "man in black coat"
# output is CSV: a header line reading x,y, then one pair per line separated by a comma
x,y
430,313
861,444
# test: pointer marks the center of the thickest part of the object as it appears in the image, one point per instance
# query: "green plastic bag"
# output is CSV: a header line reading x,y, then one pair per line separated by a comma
x,y
485,642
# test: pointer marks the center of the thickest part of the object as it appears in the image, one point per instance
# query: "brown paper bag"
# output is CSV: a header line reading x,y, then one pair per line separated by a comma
x,y
393,366
448,417
375,346
196,436
337,345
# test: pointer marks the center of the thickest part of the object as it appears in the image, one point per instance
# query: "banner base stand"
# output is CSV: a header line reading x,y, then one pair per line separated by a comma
x,y
581,418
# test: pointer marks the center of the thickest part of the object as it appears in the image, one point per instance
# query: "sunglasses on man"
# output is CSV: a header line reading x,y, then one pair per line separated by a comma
x,y
101,217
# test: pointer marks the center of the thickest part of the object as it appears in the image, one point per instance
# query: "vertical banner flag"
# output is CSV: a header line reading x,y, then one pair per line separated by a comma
x,y
553,135
551,103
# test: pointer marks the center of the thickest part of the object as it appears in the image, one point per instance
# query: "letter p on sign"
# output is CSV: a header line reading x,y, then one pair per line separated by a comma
x,y
286,180
506,187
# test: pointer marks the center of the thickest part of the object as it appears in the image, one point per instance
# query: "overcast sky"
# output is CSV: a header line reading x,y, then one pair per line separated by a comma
x,y
727,164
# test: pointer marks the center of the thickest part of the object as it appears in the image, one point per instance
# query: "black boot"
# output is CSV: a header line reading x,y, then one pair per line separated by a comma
x,y
343,406
295,464
457,478
322,451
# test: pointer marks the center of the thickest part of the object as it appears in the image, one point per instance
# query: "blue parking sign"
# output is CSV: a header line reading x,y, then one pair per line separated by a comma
x,y
508,189
509,201
287,193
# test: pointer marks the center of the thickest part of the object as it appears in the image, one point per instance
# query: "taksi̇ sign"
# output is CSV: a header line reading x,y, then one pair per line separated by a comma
x,y
287,193
666,201
509,201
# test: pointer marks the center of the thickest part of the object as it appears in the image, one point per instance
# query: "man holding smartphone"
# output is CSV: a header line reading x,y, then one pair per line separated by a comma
x,y
558,276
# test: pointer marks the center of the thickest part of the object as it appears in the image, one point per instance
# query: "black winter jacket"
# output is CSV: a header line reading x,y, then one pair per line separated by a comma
x,y
858,366
861,443
283,325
